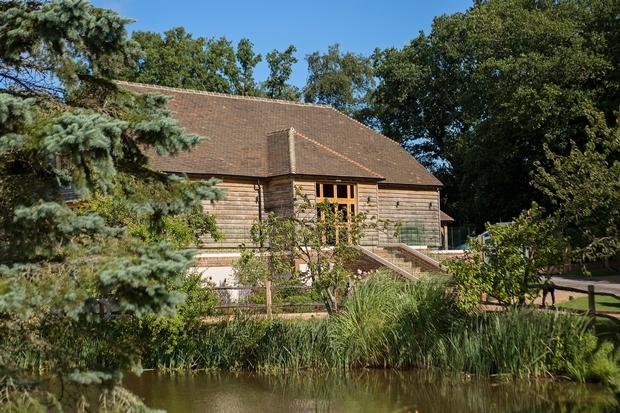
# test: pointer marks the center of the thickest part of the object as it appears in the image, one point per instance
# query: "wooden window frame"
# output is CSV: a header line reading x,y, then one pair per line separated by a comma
x,y
350,201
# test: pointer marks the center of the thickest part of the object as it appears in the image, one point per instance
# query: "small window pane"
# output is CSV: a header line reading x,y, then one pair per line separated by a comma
x,y
352,193
342,191
318,190
328,191
352,209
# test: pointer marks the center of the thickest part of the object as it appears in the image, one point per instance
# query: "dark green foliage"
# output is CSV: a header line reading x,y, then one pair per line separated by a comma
x,y
65,124
245,84
179,60
479,97
585,187
386,322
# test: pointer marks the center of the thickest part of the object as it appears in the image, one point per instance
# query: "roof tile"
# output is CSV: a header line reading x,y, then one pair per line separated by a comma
x,y
243,143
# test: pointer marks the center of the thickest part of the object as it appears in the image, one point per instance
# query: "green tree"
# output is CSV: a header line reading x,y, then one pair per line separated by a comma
x,y
318,235
342,80
248,60
516,255
280,70
479,97
183,230
179,60
585,187
64,123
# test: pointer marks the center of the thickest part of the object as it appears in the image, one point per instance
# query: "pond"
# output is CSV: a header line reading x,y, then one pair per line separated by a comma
x,y
363,391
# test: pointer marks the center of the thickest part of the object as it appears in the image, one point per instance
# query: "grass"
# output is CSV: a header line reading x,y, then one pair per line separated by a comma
x,y
602,303
608,329
387,323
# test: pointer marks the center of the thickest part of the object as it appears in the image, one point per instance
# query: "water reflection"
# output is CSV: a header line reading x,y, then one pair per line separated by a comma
x,y
364,391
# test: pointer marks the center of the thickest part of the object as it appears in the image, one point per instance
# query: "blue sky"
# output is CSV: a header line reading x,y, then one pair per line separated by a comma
x,y
359,26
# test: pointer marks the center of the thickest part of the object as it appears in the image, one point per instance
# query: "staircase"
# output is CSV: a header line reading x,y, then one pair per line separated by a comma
x,y
400,260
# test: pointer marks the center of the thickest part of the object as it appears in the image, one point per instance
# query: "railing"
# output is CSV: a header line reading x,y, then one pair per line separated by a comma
x,y
411,233
458,236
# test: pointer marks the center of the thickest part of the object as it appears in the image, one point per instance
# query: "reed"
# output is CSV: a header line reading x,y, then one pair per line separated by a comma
x,y
384,322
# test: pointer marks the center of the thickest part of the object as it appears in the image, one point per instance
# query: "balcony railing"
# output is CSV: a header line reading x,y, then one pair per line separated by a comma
x,y
411,233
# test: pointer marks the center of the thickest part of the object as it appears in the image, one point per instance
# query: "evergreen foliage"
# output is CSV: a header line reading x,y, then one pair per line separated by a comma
x,y
65,124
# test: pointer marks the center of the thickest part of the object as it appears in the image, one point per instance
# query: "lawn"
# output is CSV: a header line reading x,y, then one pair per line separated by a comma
x,y
605,327
603,303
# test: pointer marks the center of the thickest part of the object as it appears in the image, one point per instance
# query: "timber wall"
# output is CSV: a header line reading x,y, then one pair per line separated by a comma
x,y
279,196
371,208
235,213
414,210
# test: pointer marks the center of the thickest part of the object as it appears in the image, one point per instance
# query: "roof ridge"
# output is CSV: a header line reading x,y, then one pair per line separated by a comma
x,y
280,131
364,125
225,95
337,153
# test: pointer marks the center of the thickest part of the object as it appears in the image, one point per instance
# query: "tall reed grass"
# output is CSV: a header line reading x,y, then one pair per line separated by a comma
x,y
386,322
389,323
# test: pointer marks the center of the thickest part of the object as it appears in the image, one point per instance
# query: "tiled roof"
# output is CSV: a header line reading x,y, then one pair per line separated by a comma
x,y
250,137
445,217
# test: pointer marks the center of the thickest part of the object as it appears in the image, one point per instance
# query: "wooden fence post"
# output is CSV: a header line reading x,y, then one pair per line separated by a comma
x,y
592,305
268,295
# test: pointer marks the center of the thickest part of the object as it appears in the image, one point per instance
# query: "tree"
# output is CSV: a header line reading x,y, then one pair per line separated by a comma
x,y
248,60
479,97
64,123
280,70
319,235
342,80
517,255
585,187
179,60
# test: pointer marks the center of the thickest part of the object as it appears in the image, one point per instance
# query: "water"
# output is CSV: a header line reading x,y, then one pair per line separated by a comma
x,y
364,391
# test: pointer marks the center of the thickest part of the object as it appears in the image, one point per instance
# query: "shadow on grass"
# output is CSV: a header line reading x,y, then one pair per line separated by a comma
x,y
598,272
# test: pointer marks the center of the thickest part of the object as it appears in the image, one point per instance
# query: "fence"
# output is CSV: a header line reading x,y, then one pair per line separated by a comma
x,y
269,305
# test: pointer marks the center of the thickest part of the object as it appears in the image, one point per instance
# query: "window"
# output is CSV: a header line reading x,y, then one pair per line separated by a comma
x,y
342,194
